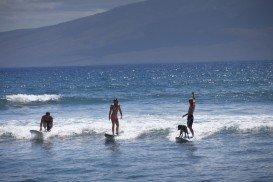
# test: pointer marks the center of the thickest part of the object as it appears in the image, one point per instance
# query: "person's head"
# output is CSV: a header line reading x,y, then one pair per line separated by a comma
x,y
191,101
48,113
115,101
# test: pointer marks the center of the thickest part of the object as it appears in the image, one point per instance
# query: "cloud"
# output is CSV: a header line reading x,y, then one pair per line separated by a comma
x,y
42,5
35,20
26,5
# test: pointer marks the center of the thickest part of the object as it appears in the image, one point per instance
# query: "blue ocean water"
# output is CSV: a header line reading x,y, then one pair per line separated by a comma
x,y
233,122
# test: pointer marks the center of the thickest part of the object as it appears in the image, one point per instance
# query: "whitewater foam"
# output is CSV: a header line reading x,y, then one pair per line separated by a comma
x,y
24,98
133,127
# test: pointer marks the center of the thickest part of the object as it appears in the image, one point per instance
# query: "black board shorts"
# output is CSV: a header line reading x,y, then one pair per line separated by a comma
x,y
190,121
49,125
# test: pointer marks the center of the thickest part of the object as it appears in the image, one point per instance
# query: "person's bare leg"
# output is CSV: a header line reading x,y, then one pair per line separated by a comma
x,y
113,127
192,132
117,128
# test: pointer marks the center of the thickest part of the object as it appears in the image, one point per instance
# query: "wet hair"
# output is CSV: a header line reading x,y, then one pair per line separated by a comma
x,y
48,113
115,100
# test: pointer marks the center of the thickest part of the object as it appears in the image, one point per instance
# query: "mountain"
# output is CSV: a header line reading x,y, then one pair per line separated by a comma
x,y
148,32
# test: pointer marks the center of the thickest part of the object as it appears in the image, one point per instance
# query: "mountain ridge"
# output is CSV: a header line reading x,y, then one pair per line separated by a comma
x,y
148,31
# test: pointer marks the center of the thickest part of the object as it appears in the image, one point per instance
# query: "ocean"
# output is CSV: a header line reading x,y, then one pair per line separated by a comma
x,y
233,122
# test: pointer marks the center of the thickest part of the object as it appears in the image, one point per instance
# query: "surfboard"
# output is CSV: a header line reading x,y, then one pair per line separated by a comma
x,y
109,136
37,134
182,140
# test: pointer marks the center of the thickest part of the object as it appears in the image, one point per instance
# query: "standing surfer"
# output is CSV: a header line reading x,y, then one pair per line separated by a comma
x,y
113,115
190,113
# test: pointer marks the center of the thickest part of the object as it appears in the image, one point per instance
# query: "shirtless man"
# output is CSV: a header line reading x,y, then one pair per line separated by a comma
x,y
190,113
46,122
113,115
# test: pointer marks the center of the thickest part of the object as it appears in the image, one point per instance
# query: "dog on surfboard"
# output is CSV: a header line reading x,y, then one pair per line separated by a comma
x,y
183,130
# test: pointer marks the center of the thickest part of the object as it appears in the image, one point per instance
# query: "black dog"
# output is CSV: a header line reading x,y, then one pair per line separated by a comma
x,y
183,129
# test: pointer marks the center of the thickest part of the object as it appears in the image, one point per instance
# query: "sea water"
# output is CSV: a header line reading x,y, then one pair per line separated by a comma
x,y
233,122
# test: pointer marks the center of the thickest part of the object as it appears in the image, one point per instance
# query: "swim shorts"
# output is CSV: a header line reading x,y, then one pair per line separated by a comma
x,y
190,121
49,125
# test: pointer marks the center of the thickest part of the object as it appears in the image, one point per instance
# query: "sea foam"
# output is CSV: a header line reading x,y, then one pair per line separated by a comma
x,y
25,98
133,127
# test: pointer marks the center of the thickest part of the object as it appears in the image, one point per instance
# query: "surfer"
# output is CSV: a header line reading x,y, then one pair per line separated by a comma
x,y
46,122
190,113
113,115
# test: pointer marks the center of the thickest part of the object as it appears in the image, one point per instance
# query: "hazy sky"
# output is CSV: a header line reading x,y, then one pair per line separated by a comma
x,y
18,14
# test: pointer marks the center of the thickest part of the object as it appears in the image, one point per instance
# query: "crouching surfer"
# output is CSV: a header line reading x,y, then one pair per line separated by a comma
x,y
46,122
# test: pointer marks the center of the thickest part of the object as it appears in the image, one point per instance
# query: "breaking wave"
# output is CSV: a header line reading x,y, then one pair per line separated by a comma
x,y
141,127
24,98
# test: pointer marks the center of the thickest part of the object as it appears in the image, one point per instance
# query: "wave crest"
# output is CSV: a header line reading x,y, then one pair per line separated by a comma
x,y
24,98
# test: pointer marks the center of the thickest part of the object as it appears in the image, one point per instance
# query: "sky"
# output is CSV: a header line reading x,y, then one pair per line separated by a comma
x,y
20,14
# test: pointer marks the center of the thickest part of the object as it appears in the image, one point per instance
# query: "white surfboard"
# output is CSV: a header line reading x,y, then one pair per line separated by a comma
x,y
37,134
110,136
182,140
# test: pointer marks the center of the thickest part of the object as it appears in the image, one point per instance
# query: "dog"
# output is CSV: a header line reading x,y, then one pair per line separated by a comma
x,y
183,129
